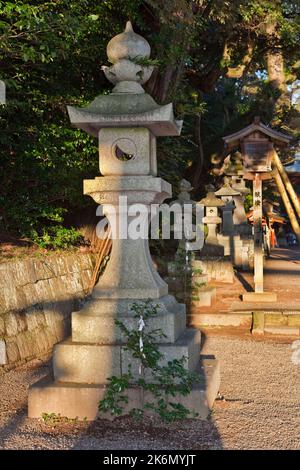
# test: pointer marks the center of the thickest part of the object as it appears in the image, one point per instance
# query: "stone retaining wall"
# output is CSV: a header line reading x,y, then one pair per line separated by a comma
x,y
37,297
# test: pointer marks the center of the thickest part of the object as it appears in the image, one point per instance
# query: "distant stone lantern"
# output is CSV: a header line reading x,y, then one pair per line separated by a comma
x,y
256,142
212,220
227,193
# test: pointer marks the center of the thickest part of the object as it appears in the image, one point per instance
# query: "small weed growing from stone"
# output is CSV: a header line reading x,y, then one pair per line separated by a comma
x,y
163,383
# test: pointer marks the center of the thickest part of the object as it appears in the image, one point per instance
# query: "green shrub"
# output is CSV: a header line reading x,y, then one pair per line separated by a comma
x,y
57,237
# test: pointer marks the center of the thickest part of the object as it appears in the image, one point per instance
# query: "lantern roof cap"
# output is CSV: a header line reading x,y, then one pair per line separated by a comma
x,y
227,190
128,105
211,200
127,45
233,140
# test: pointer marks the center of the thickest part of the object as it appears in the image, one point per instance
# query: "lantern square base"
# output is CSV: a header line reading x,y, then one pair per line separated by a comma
x,y
81,400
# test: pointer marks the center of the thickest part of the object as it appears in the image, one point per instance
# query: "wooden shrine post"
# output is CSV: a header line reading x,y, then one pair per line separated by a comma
x,y
256,142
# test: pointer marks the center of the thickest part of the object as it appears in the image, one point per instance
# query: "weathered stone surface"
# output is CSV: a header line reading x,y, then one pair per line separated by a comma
x,y
2,327
258,323
25,345
294,320
11,324
216,268
187,346
260,297
275,319
31,281
31,317
3,356
12,352
82,400
240,320
282,330
36,301
204,296
86,363
95,323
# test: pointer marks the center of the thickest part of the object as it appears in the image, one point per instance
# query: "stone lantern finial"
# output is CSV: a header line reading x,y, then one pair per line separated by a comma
x,y
126,52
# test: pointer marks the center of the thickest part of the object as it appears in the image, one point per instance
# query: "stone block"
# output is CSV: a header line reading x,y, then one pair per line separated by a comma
x,y
27,342
70,400
260,297
204,296
11,324
21,321
81,400
294,320
283,330
216,268
239,320
95,323
187,345
12,352
86,363
2,326
134,141
3,356
31,318
275,319
258,326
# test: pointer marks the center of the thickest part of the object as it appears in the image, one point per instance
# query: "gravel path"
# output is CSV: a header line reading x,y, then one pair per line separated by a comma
x,y
260,409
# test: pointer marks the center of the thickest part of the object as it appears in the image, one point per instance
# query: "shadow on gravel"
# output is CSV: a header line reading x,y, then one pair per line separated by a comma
x,y
125,433
12,426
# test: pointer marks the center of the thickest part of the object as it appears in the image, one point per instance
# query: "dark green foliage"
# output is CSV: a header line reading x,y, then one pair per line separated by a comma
x,y
57,237
51,54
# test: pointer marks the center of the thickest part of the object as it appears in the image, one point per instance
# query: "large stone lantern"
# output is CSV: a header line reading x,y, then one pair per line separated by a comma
x,y
127,123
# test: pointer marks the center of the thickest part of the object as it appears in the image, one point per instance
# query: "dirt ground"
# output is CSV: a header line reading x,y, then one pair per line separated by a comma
x,y
258,408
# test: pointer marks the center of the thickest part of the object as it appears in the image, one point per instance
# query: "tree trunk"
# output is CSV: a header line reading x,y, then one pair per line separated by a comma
x,y
275,66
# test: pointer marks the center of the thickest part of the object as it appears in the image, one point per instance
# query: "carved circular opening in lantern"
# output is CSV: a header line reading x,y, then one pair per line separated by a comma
x,y
124,149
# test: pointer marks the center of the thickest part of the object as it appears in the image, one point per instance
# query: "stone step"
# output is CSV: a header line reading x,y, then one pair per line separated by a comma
x,y
241,321
276,323
95,323
259,323
70,359
282,330
73,400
